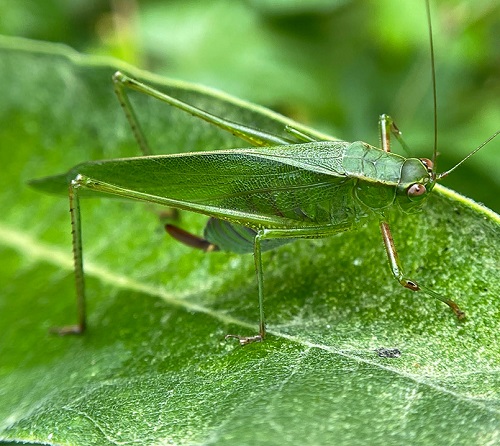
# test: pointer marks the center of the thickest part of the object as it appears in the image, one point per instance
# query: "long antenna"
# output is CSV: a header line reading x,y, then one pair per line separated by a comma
x,y
434,94
442,175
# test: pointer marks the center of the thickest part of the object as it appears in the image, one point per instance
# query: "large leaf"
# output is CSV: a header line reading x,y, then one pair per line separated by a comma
x,y
154,366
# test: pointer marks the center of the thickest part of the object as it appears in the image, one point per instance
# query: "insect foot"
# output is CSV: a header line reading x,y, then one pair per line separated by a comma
x,y
455,308
245,340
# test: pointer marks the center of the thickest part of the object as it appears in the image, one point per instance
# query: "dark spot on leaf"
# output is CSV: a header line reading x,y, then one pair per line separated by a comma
x,y
388,352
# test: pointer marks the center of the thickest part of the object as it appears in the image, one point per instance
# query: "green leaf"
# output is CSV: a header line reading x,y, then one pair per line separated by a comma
x,y
154,367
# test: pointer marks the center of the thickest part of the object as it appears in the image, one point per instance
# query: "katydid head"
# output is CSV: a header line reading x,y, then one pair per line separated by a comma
x,y
418,177
416,181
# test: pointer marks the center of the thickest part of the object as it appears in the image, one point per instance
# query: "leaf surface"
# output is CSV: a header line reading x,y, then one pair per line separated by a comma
x,y
154,367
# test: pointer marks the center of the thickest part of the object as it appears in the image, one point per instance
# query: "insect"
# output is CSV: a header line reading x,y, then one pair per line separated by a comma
x,y
258,198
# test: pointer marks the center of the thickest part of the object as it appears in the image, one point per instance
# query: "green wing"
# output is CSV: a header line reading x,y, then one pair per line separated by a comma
x,y
301,183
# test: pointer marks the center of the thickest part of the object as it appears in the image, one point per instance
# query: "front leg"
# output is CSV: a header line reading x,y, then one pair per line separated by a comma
x,y
387,126
397,271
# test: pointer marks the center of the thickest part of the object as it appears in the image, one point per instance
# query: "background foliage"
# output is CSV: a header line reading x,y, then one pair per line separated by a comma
x,y
153,367
336,65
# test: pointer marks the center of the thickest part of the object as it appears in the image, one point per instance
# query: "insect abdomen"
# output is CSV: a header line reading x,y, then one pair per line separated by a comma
x,y
236,238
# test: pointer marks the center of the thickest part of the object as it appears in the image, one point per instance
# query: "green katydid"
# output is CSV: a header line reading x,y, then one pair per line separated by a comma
x,y
258,198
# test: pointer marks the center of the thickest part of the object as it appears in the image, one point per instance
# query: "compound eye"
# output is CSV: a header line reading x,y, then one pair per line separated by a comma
x,y
427,163
416,190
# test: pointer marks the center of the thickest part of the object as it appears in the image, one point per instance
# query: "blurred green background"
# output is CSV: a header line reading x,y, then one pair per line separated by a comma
x,y
334,65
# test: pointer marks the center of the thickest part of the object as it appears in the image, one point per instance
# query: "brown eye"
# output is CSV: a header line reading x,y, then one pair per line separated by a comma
x,y
416,190
427,163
